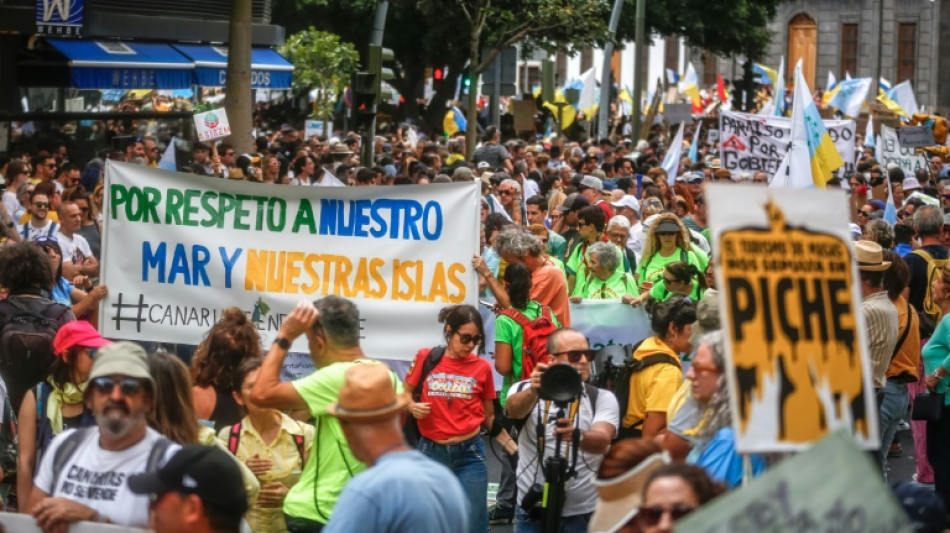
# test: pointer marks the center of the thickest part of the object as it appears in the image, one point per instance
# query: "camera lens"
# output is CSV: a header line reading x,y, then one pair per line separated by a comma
x,y
560,384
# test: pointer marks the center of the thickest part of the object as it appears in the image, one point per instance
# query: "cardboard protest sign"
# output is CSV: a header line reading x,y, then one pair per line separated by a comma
x,y
800,495
913,136
178,249
212,125
893,152
791,314
752,143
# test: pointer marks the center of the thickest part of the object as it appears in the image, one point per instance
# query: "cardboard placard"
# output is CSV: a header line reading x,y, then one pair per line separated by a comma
x,y
523,113
212,125
914,136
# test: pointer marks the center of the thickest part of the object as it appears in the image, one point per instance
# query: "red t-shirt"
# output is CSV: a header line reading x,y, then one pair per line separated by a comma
x,y
455,390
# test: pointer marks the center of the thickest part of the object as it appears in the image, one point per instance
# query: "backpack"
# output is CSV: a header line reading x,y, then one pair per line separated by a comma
x,y
616,378
234,440
25,233
26,346
534,340
410,428
930,311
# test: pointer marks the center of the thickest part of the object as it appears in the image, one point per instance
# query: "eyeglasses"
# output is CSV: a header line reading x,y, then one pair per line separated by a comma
x,y
863,213
465,338
127,386
574,356
651,516
91,352
51,165
41,205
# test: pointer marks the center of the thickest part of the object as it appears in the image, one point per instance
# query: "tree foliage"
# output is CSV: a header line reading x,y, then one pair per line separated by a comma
x,y
323,62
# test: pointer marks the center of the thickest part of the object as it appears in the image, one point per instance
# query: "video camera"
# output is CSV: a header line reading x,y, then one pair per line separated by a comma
x,y
561,385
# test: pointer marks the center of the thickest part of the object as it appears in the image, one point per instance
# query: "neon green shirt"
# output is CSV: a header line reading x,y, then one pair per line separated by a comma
x,y
651,269
331,461
508,331
613,288
660,293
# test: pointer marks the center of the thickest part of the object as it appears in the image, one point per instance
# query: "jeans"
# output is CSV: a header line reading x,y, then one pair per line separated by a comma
x,y
894,402
569,524
467,461
302,525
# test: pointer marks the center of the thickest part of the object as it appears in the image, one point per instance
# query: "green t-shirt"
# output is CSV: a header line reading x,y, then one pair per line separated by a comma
x,y
508,331
613,288
577,266
331,460
651,270
660,293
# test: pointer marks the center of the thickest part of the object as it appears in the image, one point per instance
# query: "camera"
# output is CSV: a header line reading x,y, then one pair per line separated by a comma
x,y
531,503
561,385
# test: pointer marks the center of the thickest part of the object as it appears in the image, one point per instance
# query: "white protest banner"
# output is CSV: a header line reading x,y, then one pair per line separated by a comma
x,y
791,312
800,494
750,143
179,248
24,523
212,125
904,157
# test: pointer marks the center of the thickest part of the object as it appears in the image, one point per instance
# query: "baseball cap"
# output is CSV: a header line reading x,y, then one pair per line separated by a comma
x,y
878,204
123,358
77,333
573,202
482,164
206,471
707,316
628,200
667,226
692,177
591,182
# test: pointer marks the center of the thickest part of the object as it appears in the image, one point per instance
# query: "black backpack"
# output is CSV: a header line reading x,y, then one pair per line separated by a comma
x,y
614,367
26,345
410,427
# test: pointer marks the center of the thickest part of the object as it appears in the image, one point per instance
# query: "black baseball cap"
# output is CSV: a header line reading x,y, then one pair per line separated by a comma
x,y
573,202
667,226
206,471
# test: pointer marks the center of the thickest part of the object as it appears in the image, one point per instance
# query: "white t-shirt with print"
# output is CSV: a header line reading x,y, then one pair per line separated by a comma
x,y
98,478
75,249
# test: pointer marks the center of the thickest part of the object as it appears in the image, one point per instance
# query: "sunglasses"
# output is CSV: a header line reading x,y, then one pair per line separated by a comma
x,y
575,356
863,213
92,352
465,338
651,516
127,386
46,238
41,205
505,192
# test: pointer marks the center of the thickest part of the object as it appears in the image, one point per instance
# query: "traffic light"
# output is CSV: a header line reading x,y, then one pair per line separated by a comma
x,y
365,90
377,56
466,80
438,78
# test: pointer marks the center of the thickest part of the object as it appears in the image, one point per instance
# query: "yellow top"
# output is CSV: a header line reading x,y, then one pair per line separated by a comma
x,y
653,388
286,465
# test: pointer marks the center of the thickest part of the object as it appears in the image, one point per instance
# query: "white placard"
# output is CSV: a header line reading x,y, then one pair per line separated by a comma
x,y
212,125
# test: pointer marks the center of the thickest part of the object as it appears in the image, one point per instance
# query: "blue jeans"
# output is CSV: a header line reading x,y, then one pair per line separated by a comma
x,y
467,461
569,524
894,403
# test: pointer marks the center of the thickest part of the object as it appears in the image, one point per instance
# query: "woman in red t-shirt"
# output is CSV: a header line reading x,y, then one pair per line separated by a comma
x,y
455,403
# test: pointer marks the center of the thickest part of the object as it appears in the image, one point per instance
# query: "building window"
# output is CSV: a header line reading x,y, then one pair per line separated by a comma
x,y
906,51
710,68
587,60
849,49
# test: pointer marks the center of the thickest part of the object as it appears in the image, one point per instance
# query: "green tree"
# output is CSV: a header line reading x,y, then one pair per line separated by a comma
x,y
322,62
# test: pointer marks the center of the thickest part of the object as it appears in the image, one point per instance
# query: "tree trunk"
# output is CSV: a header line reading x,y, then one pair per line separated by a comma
x,y
237,101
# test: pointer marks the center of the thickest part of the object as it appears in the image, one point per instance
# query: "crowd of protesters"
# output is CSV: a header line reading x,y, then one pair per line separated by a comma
x,y
209,438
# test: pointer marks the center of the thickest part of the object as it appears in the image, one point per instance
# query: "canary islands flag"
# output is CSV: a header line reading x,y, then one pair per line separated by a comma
x,y
690,87
808,128
454,121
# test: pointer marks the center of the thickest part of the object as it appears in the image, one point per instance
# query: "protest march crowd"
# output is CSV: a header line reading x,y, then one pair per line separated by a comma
x,y
210,439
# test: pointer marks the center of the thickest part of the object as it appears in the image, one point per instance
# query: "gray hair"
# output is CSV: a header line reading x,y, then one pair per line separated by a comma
x,y
619,220
928,220
718,412
881,232
520,167
339,321
606,255
512,182
518,242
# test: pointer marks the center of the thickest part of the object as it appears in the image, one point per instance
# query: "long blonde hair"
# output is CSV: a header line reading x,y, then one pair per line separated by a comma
x,y
652,244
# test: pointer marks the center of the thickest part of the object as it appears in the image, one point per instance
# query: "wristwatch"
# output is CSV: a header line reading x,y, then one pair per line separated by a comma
x,y
283,343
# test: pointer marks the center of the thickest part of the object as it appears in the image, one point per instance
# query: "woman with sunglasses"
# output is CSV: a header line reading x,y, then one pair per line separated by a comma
x,y
453,402
651,390
56,404
671,492
678,278
667,241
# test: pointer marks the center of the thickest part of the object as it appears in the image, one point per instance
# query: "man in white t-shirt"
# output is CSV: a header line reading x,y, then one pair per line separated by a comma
x,y
39,224
83,474
597,419
77,255
18,173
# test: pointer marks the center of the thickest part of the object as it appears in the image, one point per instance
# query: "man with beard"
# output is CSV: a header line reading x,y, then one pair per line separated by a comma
x,y
83,473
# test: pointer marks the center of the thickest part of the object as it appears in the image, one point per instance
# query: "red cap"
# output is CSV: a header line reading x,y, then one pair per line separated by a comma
x,y
77,333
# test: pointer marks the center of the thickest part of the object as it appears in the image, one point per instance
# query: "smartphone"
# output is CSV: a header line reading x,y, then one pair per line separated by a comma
x,y
486,303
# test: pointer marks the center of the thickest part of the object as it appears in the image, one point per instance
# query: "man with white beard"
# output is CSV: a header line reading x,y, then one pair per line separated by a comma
x,y
84,471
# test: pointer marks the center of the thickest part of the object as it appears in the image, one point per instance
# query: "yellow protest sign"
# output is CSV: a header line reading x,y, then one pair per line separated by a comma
x,y
791,315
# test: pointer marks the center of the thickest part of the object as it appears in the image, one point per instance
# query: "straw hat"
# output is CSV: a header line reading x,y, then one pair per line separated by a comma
x,y
619,498
368,394
870,256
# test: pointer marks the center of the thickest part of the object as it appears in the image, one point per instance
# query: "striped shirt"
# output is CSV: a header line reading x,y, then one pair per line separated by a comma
x,y
881,322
